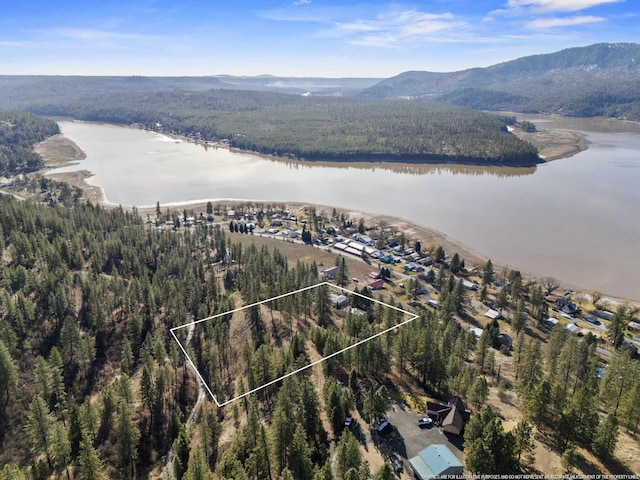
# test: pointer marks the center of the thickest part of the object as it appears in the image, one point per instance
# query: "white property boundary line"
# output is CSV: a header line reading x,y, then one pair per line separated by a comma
x,y
413,316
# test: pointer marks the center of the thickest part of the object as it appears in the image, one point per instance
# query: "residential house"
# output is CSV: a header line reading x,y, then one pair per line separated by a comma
x,y
452,416
566,306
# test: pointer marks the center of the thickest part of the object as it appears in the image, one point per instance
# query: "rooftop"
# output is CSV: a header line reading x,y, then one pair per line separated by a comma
x,y
434,460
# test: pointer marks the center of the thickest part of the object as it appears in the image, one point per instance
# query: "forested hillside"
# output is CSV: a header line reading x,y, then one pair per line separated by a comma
x,y
93,385
314,128
598,80
20,91
18,132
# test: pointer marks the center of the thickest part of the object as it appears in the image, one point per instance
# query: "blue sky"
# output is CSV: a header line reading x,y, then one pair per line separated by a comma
x,y
297,37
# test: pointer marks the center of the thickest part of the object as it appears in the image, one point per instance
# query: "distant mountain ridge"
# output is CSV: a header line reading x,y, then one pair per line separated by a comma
x,y
20,91
597,80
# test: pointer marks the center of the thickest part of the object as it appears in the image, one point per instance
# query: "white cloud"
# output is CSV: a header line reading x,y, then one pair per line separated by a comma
x,y
390,29
557,5
543,23
95,35
301,2
13,44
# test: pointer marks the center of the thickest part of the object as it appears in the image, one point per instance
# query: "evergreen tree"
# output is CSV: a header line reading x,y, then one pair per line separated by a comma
x,y
323,306
384,473
13,472
300,455
60,448
128,438
342,276
282,432
618,325
91,467
181,450
606,437
488,273
519,316
524,442
376,404
286,475
199,470
348,453
569,461
479,391
39,424
8,373
324,472
455,263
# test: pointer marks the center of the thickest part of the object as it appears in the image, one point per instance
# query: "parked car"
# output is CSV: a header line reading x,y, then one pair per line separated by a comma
x,y
382,423
425,422
396,462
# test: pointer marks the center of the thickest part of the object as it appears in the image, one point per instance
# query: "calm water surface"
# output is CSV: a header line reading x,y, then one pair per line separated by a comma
x,y
577,219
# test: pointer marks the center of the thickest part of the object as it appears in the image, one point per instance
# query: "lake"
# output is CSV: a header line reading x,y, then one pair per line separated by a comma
x,y
576,219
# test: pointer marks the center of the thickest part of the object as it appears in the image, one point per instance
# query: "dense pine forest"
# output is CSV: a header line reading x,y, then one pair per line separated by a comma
x,y
313,128
19,131
93,385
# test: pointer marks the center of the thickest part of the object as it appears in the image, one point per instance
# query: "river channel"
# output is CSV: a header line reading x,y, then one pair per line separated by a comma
x,y
576,219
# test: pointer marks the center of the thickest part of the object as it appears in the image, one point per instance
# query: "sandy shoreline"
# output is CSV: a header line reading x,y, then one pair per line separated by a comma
x,y
554,144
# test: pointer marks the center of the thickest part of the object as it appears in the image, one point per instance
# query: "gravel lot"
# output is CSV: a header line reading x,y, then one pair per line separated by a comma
x,y
407,439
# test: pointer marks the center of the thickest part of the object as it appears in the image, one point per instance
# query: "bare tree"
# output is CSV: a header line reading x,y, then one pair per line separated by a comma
x,y
551,284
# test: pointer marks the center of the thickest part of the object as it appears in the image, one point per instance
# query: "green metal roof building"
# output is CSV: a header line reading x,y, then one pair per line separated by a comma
x,y
434,461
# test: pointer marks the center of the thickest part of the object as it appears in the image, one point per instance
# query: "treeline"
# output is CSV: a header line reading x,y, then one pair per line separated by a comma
x,y
611,98
19,131
87,298
94,380
312,128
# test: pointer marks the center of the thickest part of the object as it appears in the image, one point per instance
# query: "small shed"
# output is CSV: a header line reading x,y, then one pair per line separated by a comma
x,y
338,301
377,284
330,273
469,285
506,341
573,328
434,461
477,331
493,314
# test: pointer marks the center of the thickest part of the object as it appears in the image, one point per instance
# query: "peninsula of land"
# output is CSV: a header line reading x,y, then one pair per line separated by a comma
x,y
59,151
